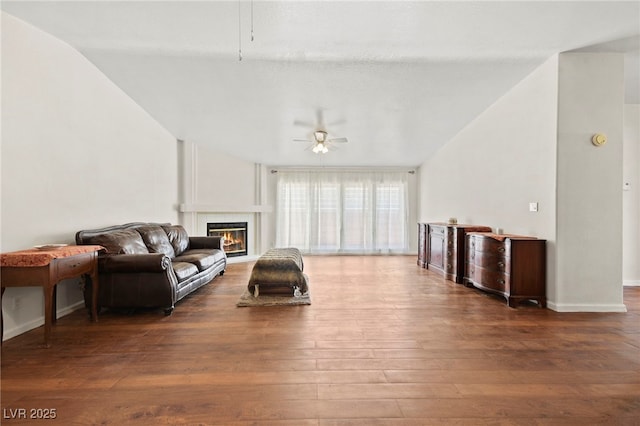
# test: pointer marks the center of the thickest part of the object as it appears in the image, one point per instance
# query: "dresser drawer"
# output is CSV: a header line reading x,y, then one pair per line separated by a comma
x,y
493,261
436,229
489,279
74,265
488,244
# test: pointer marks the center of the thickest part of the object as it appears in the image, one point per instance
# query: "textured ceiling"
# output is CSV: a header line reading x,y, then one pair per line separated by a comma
x,y
397,78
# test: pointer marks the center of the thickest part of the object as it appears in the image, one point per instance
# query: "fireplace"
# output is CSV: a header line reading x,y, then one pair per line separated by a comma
x,y
235,236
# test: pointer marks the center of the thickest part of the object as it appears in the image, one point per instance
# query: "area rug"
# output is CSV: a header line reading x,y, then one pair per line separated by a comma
x,y
248,299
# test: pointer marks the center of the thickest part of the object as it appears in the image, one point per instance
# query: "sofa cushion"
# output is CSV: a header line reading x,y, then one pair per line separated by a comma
x,y
125,241
202,258
156,240
184,270
178,238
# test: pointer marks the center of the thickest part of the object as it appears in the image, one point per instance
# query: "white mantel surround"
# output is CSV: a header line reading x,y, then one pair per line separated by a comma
x,y
197,208
218,188
202,214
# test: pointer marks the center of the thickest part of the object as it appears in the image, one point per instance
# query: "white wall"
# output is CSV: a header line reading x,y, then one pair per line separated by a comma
x,y
534,144
223,179
589,214
503,160
77,153
631,196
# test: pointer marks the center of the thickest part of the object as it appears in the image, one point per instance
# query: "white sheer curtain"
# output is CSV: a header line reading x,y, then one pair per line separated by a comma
x,y
342,212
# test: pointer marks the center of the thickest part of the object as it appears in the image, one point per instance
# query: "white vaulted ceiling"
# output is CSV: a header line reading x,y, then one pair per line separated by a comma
x,y
397,78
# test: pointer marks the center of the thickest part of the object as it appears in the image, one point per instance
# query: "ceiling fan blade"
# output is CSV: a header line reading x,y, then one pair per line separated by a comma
x,y
304,124
338,122
338,140
303,140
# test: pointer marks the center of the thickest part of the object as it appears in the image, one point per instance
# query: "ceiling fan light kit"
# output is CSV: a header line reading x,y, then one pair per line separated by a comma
x,y
321,141
320,148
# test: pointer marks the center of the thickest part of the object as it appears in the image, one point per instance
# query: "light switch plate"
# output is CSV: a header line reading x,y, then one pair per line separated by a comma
x,y
533,207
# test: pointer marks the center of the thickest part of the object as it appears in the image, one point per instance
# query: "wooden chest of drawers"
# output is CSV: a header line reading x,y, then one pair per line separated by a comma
x,y
422,245
441,248
511,266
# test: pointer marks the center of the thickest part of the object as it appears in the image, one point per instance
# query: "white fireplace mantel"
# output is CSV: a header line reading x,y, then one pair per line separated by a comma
x,y
214,208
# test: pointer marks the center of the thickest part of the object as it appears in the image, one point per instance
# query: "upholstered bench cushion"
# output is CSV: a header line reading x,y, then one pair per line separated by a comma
x,y
278,268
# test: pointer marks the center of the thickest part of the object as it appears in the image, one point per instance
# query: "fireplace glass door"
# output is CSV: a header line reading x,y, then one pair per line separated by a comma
x,y
235,236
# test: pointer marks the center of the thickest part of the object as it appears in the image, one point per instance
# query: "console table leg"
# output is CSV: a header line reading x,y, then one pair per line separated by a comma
x,y
54,304
49,312
94,294
1,316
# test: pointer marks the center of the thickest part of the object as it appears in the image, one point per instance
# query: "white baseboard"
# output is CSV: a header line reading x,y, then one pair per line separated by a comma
x,y
38,322
586,307
631,283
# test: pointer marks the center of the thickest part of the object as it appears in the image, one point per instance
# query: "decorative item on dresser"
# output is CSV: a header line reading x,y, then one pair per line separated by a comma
x,y
512,266
441,247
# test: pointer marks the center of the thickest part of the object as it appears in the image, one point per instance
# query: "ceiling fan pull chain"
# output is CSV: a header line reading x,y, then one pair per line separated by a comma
x,y
239,31
251,20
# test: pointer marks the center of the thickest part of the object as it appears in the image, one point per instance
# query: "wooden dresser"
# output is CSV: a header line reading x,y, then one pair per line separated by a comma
x,y
422,244
509,265
441,248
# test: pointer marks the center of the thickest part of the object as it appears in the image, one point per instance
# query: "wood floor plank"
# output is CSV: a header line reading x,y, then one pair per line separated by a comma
x,y
505,406
383,343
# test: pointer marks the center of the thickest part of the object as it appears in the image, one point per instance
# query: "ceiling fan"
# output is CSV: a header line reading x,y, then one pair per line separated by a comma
x,y
321,142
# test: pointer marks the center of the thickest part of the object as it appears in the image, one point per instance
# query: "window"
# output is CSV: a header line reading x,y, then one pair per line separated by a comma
x,y
340,212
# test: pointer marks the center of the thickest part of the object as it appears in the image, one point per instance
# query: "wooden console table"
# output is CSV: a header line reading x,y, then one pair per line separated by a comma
x,y
46,268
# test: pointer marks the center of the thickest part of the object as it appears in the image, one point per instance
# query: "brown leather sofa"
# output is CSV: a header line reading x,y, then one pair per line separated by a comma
x,y
151,265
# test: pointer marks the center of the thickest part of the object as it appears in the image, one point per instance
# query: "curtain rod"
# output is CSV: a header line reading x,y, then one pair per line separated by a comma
x,y
340,169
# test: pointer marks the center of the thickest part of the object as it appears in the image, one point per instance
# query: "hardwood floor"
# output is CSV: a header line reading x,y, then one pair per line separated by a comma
x,y
384,343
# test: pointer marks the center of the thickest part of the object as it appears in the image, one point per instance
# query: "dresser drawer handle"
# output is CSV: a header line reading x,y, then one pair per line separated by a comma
x,y
501,281
501,249
500,264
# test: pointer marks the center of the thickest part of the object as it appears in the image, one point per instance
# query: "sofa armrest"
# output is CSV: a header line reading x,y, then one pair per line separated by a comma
x,y
206,243
122,263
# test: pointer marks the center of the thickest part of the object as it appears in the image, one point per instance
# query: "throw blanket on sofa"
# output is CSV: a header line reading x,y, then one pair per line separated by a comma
x,y
278,267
